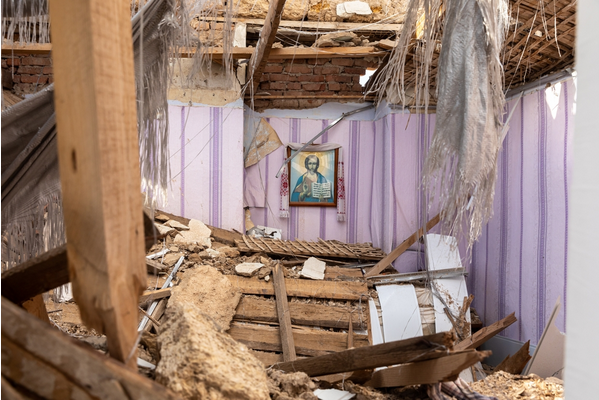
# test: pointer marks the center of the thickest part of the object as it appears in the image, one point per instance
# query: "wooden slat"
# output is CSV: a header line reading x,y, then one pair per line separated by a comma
x,y
98,156
36,276
18,49
151,295
297,53
308,342
263,310
283,313
399,250
340,290
36,307
486,333
35,353
426,372
264,46
380,355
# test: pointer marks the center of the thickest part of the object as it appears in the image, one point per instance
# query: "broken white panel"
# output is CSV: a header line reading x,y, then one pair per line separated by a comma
x,y
313,269
247,269
198,233
272,233
240,34
260,139
548,358
177,225
345,10
159,254
401,313
333,394
442,253
375,325
164,229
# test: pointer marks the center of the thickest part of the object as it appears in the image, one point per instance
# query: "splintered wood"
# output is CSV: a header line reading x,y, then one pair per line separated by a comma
x,y
322,248
505,386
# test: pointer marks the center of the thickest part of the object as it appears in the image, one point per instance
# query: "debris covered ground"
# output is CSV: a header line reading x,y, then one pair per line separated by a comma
x,y
194,348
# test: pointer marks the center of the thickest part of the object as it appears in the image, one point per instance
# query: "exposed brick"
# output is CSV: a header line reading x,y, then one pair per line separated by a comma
x,y
51,79
262,104
313,86
334,86
327,93
326,70
48,70
16,78
346,62
264,86
38,79
344,78
357,71
295,93
36,61
357,87
317,61
273,68
27,69
310,78
278,77
280,103
298,69
276,92
264,78
14,61
278,85
356,78
294,86
360,62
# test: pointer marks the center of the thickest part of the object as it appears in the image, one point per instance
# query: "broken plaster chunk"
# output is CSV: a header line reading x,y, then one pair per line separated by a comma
x,y
214,253
198,233
171,259
348,8
177,225
161,217
248,269
313,269
163,229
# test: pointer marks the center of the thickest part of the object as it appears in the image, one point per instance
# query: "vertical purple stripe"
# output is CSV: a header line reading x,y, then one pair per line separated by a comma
x,y
323,210
293,211
504,229
371,224
486,268
394,202
215,166
541,277
182,161
353,182
566,111
266,176
521,217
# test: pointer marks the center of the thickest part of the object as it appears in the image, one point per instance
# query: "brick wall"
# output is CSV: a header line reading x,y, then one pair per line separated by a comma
x,y
26,74
312,77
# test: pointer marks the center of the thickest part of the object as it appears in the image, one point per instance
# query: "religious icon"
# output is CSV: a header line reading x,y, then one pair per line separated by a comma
x,y
313,178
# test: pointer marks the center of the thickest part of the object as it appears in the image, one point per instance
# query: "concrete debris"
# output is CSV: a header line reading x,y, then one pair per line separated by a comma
x,y
200,362
313,269
334,39
171,259
229,251
348,8
198,233
163,229
248,269
290,386
177,225
208,290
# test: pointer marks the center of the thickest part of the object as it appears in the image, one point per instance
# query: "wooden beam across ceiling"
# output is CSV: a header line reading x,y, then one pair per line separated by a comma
x,y
263,48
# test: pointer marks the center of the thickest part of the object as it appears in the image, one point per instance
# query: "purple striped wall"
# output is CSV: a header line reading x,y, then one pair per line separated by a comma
x,y
519,263
206,147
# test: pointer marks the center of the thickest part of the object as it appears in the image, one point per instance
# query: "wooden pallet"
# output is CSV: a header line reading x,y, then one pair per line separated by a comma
x,y
322,248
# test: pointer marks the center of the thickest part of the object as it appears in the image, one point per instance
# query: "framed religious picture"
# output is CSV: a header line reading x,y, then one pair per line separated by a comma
x,y
313,178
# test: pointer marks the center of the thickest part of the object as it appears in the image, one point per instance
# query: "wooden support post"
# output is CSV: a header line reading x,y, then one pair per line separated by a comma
x,y
36,307
98,156
283,312
399,250
267,37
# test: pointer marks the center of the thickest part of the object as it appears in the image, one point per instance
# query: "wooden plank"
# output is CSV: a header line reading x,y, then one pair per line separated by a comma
x,y
20,49
319,25
399,250
98,155
35,353
486,333
340,290
380,355
308,342
293,52
36,307
155,267
264,46
426,372
158,312
340,273
263,310
36,276
151,295
516,363
283,314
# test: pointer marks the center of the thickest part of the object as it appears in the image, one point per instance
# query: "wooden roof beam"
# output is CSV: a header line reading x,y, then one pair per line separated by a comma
x,y
267,37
